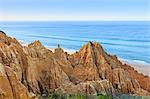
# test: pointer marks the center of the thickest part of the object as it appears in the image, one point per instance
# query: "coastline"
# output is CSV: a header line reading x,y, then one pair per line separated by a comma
x,y
140,66
85,71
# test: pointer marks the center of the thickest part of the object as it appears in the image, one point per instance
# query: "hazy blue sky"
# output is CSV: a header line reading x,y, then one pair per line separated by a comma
x,y
74,9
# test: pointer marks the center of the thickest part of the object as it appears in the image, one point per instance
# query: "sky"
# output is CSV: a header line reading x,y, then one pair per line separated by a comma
x,y
74,10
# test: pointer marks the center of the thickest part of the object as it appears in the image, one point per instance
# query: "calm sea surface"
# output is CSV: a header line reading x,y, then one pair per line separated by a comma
x,y
128,40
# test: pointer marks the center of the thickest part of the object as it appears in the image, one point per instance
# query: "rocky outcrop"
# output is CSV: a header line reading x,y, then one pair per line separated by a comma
x,y
142,79
93,60
12,55
10,86
44,74
40,71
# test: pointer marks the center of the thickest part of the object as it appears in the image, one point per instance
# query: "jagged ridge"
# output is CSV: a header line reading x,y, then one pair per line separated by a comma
x,y
90,71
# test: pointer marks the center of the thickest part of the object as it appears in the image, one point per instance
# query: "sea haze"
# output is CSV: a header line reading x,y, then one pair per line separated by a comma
x,y
129,40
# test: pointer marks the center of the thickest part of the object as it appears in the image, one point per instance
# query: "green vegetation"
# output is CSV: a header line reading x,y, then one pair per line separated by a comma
x,y
78,96
126,96
98,96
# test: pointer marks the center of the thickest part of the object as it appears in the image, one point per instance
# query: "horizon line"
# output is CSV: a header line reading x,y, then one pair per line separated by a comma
x,y
64,20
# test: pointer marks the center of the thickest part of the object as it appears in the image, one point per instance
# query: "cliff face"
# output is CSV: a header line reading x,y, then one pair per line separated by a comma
x,y
38,70
93,63
10,86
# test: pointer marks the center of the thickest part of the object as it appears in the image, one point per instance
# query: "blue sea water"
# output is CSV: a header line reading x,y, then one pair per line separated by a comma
x,y
127,39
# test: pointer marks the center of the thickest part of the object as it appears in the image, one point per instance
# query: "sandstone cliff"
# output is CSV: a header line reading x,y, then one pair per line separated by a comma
x,y
38,70
10,86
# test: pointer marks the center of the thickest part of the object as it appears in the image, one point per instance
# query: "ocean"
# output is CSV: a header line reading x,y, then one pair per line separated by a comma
x,y
129,40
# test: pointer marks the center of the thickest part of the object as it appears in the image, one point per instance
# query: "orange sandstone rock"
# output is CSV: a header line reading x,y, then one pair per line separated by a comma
x,y
38,70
